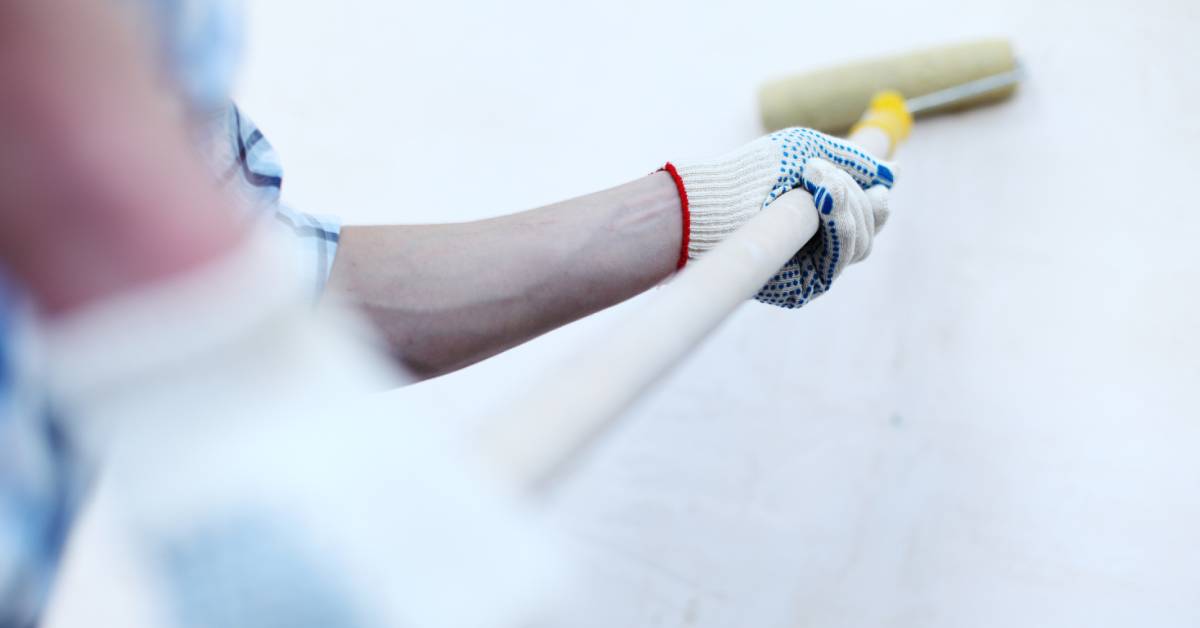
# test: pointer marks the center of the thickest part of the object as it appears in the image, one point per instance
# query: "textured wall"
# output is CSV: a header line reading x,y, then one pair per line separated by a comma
x,y
991,422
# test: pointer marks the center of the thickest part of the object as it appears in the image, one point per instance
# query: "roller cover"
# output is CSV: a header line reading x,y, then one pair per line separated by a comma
x,y
832,99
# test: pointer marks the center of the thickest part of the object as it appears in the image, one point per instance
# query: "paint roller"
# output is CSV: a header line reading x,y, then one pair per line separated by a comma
x,y
535,437
932,80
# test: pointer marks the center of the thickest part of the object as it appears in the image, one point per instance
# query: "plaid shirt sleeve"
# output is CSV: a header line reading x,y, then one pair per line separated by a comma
x,y
248,166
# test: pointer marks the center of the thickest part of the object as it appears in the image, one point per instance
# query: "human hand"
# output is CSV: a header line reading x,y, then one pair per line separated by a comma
x,y
849,188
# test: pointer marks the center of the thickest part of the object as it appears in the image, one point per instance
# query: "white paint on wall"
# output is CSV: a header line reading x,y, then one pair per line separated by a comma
x,y
992,422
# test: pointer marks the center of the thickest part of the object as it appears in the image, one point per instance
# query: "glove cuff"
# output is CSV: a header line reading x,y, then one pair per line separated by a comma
x,y
719,196
685,211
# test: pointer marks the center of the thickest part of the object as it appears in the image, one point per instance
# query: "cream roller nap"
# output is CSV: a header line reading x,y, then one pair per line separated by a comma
x,y
832,99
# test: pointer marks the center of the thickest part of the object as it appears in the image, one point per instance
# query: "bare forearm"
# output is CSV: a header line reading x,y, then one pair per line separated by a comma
x,y
446,296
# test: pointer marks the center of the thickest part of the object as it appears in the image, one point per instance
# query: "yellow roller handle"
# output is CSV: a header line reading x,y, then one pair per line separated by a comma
x,y
889,113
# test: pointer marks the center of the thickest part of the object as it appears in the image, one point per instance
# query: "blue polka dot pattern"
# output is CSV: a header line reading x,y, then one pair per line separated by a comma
x,y
811,270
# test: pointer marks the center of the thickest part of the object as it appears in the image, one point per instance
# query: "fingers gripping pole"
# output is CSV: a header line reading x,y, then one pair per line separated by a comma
x,y
534,437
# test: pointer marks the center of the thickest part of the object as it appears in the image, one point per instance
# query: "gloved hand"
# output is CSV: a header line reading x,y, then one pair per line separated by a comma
x,y
849,188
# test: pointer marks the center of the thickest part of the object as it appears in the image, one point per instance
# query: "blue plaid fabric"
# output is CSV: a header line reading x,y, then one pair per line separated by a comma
x,y
40,480
36,477
242,158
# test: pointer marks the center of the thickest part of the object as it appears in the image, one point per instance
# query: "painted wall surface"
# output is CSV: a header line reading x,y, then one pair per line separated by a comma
x,y
991,422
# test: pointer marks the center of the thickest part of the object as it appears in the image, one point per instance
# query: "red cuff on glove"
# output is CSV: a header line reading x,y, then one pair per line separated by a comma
x,y
687,216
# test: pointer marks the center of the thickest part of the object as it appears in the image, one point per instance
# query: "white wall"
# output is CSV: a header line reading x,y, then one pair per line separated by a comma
x,y
992,422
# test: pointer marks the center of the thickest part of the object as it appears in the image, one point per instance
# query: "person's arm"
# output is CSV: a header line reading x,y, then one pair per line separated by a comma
x,y
446,296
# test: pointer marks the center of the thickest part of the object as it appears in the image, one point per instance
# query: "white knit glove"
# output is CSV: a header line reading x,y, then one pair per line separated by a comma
x,y
849,188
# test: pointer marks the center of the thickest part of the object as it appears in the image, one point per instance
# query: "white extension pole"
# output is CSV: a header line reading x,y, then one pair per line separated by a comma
x,y
534,437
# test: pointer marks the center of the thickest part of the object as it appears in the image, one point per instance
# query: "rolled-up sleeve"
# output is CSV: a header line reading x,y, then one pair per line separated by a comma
x,y
249,167
313,241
